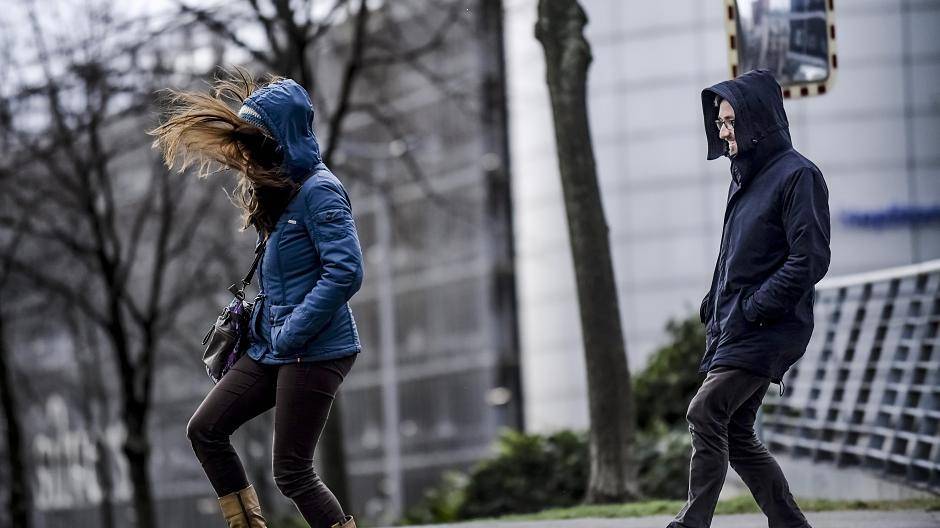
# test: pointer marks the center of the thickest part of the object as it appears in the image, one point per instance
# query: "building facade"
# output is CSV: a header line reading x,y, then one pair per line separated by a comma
x,y
874,136
438,376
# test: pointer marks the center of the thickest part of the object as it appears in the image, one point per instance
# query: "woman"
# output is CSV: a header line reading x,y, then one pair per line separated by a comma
x,y
303,339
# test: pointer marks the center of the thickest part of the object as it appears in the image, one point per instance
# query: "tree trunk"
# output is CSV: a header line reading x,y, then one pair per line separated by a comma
x,y
103,471
20,498
137,451
567,56
94,407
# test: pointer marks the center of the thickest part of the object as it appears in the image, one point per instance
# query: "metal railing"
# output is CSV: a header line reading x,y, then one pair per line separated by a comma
x,y
867,392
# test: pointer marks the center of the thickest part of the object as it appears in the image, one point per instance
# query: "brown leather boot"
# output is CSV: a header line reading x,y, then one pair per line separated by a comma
x,y
241,509
348,522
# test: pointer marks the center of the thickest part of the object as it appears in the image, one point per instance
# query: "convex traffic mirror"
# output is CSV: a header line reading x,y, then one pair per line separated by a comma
x,y
795,39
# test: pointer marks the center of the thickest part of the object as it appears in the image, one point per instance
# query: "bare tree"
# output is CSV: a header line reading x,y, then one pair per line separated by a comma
x,y
567,56
94,406
20,498
133,236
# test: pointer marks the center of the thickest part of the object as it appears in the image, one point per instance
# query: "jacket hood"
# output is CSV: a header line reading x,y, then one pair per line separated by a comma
x,y
758,115
285,109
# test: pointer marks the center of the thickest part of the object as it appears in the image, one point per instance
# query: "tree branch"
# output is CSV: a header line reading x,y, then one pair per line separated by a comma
x,y
353,65
221,28
58,288
324,25
434,43
270,29
187,232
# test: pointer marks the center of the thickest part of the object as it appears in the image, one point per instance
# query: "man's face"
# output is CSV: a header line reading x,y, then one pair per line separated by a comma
x,y
725,125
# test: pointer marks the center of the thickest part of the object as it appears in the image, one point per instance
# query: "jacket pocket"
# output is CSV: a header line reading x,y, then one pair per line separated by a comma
x,y
333,224
737,325
280,315
743,301
703,311
275,332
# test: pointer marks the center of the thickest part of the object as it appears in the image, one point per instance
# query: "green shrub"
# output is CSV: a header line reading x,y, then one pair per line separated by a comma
x,y
662,392
532,473
440,503
663,389
663,455
529,473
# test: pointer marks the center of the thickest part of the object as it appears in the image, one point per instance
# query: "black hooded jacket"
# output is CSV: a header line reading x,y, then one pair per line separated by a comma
x,y
775,240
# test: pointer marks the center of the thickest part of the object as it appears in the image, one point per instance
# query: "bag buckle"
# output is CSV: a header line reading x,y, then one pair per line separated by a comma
x,y
237,292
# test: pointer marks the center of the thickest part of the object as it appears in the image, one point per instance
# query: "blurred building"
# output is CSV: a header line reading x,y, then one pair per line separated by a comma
x,y
438,376
874,136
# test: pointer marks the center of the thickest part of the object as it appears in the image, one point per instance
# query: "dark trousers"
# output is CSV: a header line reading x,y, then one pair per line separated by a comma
x,y
721,419
301,394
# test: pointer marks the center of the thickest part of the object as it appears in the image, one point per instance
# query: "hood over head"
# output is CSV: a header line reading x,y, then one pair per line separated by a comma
x,y
283,109
761,127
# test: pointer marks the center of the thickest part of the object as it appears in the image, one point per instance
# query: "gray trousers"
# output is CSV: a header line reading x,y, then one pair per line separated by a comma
x,y
721,419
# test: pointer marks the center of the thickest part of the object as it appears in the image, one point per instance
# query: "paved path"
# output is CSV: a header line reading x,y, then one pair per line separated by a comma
x,y
853,519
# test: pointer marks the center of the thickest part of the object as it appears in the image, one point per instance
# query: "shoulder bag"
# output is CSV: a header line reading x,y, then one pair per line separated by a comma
x,y
227,339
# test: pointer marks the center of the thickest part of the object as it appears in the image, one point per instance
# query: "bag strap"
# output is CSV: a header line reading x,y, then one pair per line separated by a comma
x,y
259,251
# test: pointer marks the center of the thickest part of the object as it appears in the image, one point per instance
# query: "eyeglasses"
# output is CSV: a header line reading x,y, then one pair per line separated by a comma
x,y
729,123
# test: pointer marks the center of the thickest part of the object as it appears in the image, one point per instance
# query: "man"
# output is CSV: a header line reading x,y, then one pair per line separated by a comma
x,y
759,310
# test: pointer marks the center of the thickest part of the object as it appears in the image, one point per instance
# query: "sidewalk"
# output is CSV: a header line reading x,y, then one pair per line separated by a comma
x,y
849,519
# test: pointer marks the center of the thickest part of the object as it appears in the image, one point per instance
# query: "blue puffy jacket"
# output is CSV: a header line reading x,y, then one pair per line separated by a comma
x,y
775,241
312,264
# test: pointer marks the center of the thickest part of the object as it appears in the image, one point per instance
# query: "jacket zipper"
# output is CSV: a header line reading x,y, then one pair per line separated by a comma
x,y
722,256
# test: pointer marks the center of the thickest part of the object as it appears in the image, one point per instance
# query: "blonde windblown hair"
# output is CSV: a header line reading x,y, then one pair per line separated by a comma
x,y
204,130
